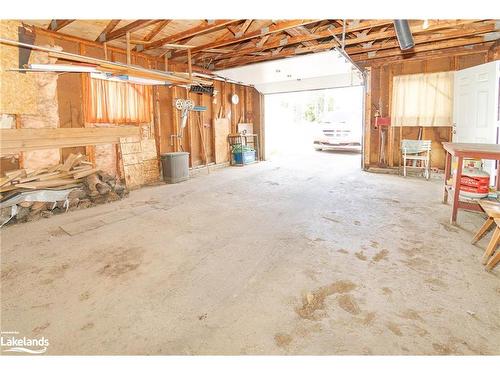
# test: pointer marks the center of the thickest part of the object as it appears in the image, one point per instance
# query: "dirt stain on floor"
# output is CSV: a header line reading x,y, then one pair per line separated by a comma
x,y
122,261
449,228
381,255
360,255
386,290
369,318
282,339
417,263
331,219
394,328
436,284
84,296
87,326
41,328
342,251
442,349
349,304
315,300
411,315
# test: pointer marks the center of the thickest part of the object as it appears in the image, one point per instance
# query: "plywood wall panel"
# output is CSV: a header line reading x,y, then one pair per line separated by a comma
x,y
18,91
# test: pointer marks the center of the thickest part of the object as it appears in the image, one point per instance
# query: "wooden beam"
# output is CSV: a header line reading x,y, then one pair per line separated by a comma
x,y
204,27
328,33
112,67
432,46
478,29
190,66
109,27
275,28
243,29
452,51
122,31
15,140
332,44
56,25
159,27
129,59
111,49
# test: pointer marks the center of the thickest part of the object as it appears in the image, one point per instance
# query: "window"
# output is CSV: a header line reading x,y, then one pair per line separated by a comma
x,y
422,99
116,102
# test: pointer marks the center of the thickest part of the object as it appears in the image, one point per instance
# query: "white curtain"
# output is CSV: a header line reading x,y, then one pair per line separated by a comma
x,y
422,99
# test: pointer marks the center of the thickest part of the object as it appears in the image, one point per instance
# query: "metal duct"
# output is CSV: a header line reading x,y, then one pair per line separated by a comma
x,y
403,32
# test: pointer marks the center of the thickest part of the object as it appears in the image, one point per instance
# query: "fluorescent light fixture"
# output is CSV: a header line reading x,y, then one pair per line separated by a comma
x,y
62,68
126,78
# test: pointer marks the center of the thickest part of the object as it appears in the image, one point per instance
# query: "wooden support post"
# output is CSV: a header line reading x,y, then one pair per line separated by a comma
x,y
129,60
105,50
368,118
456,189
175,136
166,61
190,66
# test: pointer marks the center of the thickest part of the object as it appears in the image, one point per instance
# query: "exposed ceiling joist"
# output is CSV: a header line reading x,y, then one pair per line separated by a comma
x,y
243,29
159,27
56,25
363,38
109,27
122,31
275,28
309,37
432,46
204,27
432,37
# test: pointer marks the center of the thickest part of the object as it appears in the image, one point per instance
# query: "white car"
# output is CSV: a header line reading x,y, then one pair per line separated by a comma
x,y
338,130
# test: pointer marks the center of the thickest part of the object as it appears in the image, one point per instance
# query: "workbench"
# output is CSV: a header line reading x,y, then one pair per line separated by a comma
x,y
462,151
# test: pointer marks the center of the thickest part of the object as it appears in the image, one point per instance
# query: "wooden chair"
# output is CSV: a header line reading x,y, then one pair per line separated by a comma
x,y
490,250
417,151
492,209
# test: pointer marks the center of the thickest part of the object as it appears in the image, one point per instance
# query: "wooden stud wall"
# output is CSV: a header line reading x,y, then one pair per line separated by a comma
x,y
165,117
379,98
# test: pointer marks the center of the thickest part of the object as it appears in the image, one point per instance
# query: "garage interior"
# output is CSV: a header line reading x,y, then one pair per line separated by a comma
x,y
108,247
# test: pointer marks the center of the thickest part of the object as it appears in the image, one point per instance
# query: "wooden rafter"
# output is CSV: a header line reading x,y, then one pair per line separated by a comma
x,y
109,27
156,30
274,28
432,46
56,25
243,29
204,27
362,38
130,27
307,37
429,37
425,47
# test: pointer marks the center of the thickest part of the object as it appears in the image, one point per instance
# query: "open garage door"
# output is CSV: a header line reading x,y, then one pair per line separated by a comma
x,y
312,102
323,70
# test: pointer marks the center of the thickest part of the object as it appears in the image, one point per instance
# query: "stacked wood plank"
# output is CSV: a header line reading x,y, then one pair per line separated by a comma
x,y
90,187
60,176
15,140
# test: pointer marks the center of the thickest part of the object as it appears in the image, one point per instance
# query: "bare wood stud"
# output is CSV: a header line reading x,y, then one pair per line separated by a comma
x,y
190,66
128,48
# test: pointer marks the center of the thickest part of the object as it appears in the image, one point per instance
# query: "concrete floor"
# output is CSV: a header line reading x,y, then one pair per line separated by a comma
x,y
302,255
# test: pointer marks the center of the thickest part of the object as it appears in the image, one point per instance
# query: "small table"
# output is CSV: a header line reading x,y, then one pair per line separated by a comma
x,y
461,151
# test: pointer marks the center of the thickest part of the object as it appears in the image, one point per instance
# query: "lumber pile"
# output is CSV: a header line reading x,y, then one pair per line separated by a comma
x,y
89,185
13,141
